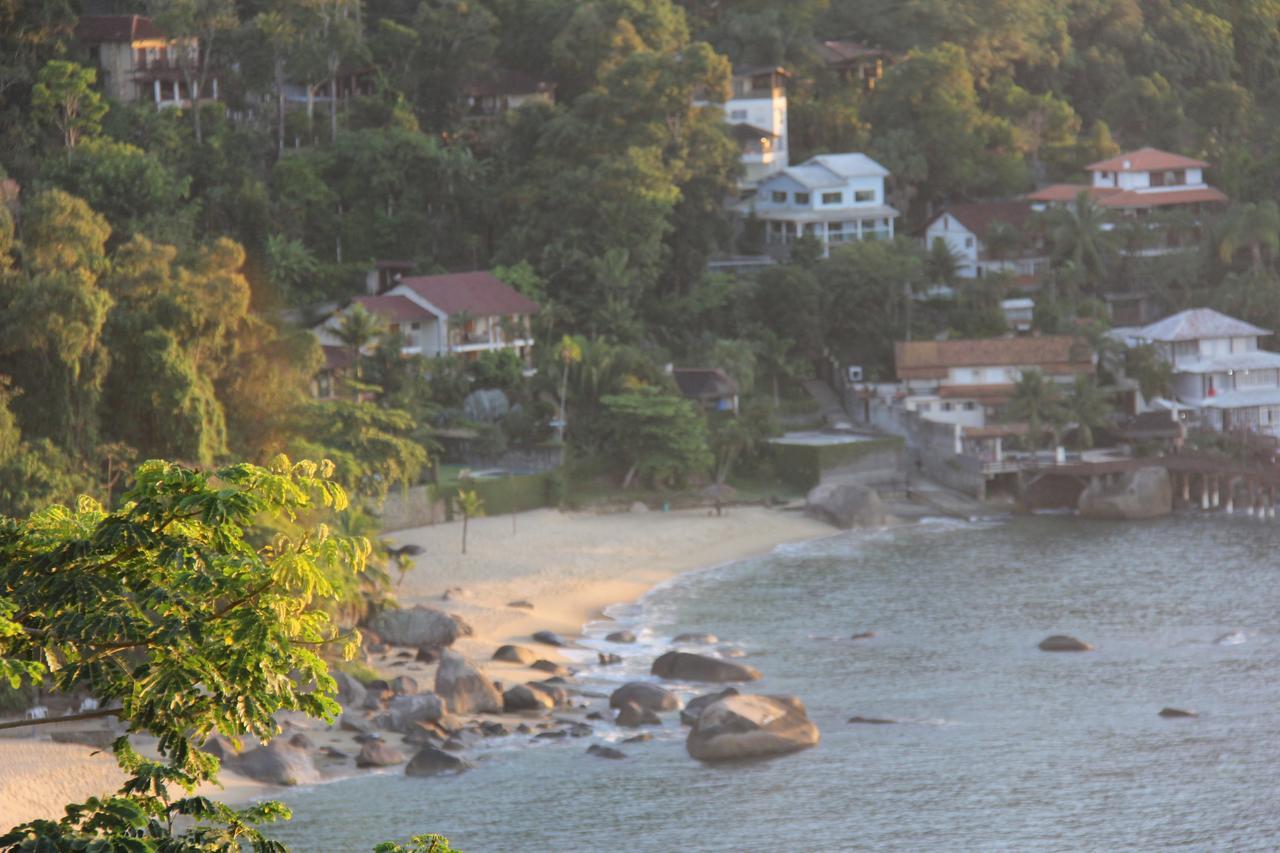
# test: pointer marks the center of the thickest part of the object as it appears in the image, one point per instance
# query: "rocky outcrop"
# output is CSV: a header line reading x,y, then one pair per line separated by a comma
x,y
515,654
350,691
845,505
601,751
430,761
685,666
1145,493
746,726
697,639
418,626
631,715
557,694
277,763
689,715
646,695
464,688
1063,643
524,697
376,753
621,637
1174,713
403,685
405,711
549,667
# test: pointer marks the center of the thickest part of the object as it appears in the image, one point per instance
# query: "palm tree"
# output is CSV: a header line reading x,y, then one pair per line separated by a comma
x,y
1079,238
942,263
1087,407
1038,402
1002,240
1255,225
1153,374
357,330
570,354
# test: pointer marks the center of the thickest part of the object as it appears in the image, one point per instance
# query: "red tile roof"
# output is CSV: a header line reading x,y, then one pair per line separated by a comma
x,y
1146,160
116,28
394,309
1054,354
1130,199
1064,193
479,293
979,216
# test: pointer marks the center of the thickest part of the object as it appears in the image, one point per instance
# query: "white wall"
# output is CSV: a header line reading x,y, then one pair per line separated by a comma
x,y
960,240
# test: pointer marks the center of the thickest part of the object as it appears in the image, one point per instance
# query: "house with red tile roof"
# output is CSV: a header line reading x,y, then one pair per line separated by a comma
x,y
465,314
1139,181
967,382
137,62
966,229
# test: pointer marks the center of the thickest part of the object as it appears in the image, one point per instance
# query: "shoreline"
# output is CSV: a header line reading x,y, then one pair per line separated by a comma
x,y
570,566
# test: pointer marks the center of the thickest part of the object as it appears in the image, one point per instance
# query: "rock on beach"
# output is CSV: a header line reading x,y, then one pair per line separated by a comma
x,y
751,726
464,688
685,666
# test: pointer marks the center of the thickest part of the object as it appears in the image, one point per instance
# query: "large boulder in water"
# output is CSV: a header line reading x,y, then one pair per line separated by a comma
x,y
689,715
1063,643
1145,493
685,666
464,688
651,697
277,763
747,726
525,697
431,761
376,753
846,505
418,626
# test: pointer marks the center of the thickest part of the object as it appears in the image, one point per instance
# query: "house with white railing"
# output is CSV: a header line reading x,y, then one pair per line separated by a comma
x,y
834,198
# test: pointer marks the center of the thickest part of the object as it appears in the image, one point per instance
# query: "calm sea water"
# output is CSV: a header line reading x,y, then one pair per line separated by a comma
x,y
1000,746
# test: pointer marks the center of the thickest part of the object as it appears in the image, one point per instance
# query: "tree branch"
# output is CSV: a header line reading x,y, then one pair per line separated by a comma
x,y
70,718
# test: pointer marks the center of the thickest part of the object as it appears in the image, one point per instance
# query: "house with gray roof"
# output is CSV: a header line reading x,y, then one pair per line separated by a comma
x,y
835,198
1219,370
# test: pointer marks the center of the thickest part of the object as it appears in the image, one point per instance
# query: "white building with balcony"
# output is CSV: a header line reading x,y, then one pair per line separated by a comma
x,y
456,314
139,63
757,114
835,198
1218,369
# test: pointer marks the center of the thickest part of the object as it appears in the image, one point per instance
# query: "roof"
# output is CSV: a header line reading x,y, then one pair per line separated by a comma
x,y
1063,193
116,28
744,132
336,358
394,309
1056,354
1129,199
1195,324
833,170
704,383
479,293
753,70
845,51
979,216
506,82
1146,160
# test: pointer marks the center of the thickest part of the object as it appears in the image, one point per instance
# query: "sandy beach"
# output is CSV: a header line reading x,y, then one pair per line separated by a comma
x,y
568,566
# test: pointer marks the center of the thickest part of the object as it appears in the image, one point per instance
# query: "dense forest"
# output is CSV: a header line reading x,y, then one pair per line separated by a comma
x,y
161,266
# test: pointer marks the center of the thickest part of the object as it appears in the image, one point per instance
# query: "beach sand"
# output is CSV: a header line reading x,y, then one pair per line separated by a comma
x,y
569,566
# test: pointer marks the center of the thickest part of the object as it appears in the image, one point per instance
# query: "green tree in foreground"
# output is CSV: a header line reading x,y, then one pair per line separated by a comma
x,y
471,506
181,627
661,436
1037,400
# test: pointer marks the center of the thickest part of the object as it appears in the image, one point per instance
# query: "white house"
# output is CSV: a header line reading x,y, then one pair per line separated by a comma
x,y
757,113
966,228
833,197
1218,370
456,314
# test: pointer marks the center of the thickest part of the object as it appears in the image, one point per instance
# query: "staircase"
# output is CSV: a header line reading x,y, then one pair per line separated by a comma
x,y
829,404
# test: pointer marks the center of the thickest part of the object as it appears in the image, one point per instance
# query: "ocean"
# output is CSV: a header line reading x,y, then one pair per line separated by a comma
x,y
997,745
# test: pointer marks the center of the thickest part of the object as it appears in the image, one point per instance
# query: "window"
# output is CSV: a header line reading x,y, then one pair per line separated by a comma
x,y
738,115
832,198
969,407
779,197
946,407
802,198
968,242
862,196
415,326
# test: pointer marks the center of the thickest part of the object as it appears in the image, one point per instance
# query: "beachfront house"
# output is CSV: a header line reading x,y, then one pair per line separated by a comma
x,y
462,314
835,198
968,382
136,62
1220,374
990,237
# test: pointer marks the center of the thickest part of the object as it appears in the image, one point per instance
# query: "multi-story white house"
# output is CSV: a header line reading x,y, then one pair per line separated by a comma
x,y
757,114
1218,370
137,62
835,198
967,382
968,231
456,314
